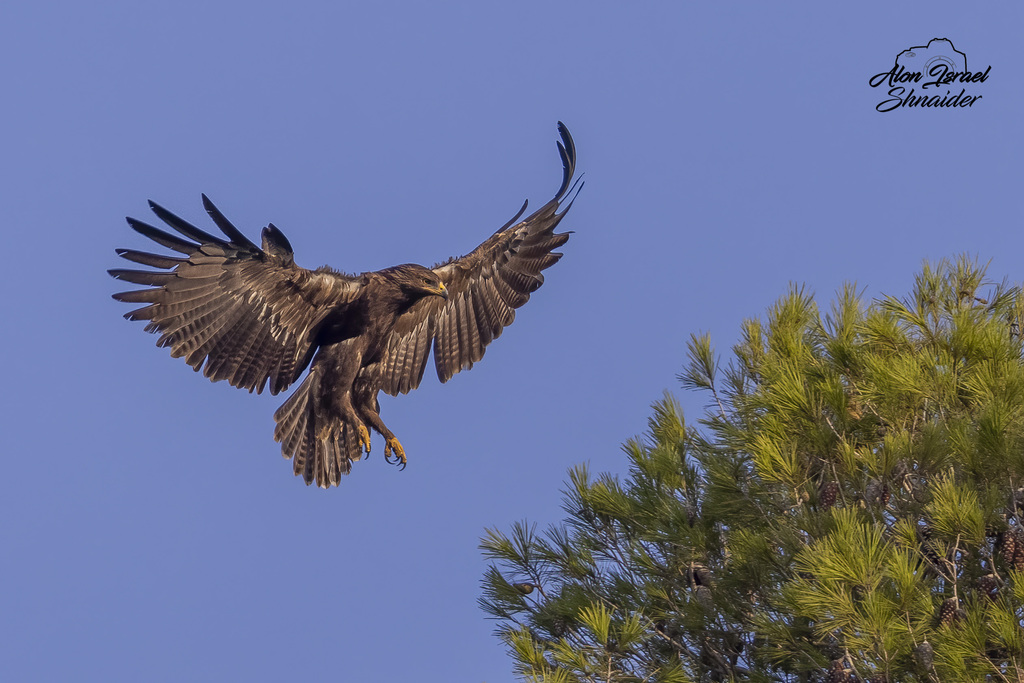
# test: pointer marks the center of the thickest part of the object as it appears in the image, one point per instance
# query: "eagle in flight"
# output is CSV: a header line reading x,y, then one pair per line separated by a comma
x,y
246,313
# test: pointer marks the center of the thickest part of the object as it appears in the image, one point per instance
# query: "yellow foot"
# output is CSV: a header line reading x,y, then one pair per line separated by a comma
x,y
364,438
392,446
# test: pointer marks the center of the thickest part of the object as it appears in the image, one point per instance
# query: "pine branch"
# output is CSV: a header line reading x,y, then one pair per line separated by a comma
x,y
835,514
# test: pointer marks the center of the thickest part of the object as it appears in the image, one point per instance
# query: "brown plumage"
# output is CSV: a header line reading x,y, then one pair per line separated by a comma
x,y
247,314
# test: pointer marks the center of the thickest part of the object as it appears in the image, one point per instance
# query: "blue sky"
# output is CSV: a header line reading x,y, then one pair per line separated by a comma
x,y
150,528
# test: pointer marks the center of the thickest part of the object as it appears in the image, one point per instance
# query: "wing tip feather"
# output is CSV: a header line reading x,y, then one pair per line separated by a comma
x,y
567,152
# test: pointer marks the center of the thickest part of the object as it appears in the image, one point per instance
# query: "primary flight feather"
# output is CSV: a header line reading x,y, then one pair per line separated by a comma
x,y
247,314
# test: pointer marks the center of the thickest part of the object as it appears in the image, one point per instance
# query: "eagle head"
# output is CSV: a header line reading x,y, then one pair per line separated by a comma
x,y
417,281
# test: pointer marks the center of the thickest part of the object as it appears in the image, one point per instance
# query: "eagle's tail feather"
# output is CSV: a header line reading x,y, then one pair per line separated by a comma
x,y
296,429
320,455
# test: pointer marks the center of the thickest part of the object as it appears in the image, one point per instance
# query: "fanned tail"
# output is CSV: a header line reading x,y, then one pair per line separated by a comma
x,y
322,459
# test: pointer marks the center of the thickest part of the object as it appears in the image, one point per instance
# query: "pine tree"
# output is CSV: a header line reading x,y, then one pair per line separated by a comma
x,y
850,508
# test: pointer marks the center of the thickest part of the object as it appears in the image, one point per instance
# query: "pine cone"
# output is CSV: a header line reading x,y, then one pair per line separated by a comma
x,y
877,493
668,628
873,493
949,612
925,533
854,409
1011,547
704,597
925,655
1018,550
1007,545
988,586
827,494
558,627
698,575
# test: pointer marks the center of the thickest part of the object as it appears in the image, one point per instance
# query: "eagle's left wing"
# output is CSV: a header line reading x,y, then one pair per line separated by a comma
x,y
484,289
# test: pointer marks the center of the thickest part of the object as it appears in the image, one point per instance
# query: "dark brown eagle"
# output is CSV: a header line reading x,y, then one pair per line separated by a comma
x,y
251,316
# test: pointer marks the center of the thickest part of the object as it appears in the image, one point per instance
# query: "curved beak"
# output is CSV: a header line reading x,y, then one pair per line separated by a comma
x,y
442,290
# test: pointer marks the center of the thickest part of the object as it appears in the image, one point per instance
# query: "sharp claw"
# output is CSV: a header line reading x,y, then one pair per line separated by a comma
x,y
364,438
391,446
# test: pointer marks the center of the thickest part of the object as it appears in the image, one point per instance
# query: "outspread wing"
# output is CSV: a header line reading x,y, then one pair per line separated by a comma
x,y
249,313
484,289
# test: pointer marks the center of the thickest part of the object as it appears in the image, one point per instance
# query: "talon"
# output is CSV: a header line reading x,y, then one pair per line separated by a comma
x,y
364,438
392,446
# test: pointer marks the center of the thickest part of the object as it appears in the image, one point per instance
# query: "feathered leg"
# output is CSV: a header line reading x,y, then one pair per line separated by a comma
x,y
322,446
366,403
339,364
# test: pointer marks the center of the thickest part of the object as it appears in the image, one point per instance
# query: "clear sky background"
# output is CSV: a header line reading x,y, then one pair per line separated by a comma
x,y
150,529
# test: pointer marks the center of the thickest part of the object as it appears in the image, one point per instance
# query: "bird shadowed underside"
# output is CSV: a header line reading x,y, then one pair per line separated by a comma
x,y
247,314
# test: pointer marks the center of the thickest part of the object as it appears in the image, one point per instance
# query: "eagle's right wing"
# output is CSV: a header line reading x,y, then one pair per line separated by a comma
x,y
249,313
